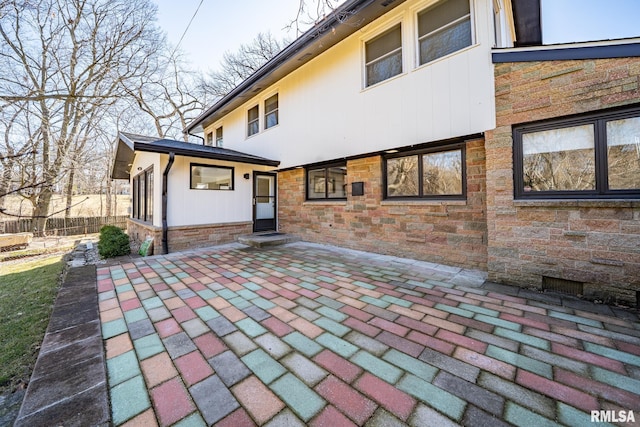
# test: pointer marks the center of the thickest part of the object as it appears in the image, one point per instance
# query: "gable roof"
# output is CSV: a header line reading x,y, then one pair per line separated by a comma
x,y
345,20
129,143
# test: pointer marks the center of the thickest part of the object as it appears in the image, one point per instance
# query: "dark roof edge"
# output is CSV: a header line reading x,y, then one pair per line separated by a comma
x,y
612,49
284,55
151,148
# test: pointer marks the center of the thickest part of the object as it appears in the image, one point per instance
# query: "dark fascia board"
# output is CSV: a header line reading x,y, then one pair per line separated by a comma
x,y
220,154
614,49
338,25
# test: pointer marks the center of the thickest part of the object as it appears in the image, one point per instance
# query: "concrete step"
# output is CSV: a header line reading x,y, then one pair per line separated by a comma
x,y
268,238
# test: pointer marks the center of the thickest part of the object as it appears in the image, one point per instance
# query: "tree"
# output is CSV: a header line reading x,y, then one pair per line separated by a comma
x,y
239,65
65,61
310,12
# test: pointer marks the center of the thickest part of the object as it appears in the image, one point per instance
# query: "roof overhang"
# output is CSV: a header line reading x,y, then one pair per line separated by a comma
x,y
129,144
348,18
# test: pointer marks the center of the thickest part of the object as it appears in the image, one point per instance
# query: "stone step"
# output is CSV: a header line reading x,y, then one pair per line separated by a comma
x,y
269,238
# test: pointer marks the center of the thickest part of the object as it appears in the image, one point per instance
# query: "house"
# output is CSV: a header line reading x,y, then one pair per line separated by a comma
x,y
421,128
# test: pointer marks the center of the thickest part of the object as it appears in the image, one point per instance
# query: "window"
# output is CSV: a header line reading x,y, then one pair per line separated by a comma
x,y
253,125
437,173
444,29
327,182
143,196
219,137
580,157
206,177
383,56
210,138
271,111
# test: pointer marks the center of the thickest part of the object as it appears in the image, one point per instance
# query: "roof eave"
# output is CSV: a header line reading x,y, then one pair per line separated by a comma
x,y
151,148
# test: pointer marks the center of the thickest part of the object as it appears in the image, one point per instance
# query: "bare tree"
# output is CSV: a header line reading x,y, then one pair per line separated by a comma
x,y
237,66
66,60
310,12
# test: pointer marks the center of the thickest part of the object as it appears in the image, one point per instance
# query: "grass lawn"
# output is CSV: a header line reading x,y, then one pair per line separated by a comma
x,y
27,292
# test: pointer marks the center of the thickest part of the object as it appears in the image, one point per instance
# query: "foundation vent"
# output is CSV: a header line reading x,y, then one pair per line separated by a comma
x,y
564,286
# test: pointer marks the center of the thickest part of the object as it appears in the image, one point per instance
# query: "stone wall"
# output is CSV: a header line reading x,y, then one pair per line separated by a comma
x,y
596,242
448,232
188,237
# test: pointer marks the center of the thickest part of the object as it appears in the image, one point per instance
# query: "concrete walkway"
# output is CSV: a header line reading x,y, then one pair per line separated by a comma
x,y
306,334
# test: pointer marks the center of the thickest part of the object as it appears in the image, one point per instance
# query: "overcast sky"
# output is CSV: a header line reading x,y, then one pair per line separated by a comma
x,y
221,26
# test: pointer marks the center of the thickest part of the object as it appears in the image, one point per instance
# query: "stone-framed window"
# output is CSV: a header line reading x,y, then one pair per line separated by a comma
x,y
595,155
142,196
326,182
211,177
433,173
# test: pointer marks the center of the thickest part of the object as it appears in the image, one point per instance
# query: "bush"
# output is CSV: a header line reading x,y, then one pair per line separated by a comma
x,y
113,242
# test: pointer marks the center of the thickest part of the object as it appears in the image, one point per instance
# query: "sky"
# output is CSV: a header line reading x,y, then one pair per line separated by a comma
x,y
222,25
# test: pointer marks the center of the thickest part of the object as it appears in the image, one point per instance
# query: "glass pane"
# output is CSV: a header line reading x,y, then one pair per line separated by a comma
x,y
446,41
271,104
211,178
385,68
383,44
150,196
442,173
402,176
316,184
253,114
559,159
441,15
253,128
337,182
271,119
623,153
219,137
135,198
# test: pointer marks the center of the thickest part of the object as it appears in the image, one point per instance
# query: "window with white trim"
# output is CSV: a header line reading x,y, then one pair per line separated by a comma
x,y
219,137
253,121
383,56
443,29
271,111
143,196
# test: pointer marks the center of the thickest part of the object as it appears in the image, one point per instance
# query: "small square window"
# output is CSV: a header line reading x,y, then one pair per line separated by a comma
x,y
383,56
271,111
206,177
328,182
253,121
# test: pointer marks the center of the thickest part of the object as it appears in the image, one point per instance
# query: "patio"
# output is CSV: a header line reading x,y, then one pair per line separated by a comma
x,y
305,334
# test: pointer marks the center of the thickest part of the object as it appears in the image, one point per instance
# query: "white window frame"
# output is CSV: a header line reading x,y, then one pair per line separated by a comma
x,y
398,20
257,120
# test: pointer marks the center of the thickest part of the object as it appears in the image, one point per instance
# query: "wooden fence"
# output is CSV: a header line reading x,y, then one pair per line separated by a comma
x,y
63,226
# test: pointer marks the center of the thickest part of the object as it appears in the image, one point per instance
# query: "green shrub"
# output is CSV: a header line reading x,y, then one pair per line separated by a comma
x,y
113,242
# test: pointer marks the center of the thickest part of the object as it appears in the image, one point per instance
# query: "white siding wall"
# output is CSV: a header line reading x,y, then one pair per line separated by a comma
x,y
326,113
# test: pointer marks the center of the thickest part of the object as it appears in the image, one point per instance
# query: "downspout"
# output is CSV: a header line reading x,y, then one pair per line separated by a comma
x,y
165,179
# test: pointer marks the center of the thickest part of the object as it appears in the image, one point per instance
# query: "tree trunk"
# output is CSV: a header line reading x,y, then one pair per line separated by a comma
x,y
67,209
41,211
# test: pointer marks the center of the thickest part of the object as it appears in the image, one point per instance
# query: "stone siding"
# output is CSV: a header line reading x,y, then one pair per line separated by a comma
x,y
448,232
596,242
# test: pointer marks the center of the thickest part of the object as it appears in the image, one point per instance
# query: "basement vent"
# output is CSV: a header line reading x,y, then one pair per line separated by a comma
x,y
387,2
564,286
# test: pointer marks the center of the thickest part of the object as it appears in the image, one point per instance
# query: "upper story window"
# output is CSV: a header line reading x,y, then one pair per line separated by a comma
x,y
219,137
327,182
444,29
383,56
208,177
209,139
437,173
592,156
271,111
253,121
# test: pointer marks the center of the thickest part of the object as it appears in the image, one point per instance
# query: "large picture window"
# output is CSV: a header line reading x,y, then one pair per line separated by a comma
x,y
437,173
327,182
383,56
444,29
595,155
207,177
143,196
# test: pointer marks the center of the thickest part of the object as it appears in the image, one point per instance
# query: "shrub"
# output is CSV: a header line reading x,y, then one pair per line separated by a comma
x,y
113,242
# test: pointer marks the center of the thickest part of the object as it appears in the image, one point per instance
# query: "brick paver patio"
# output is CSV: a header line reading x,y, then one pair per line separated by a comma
x,y
311,335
